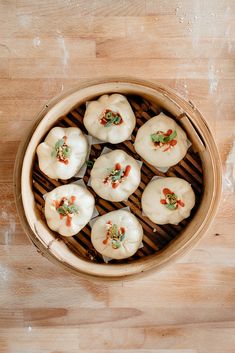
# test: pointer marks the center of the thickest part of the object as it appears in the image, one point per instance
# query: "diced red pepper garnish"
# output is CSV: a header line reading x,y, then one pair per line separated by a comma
x,y
60,203
56,203
115,185
168,132
181,203
127,170
103,121
105,181
65,161
117,236
165,141
163,201
117,166
167,191
173,142
68,221
170,201
122,229
72,199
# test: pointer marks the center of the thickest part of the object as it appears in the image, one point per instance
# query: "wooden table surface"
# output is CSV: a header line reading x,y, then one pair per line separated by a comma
x,y
48,48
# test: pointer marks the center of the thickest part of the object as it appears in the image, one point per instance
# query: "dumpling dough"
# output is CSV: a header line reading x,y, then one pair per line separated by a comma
x,y
68,208
110,118
115,176
62,153
168,200
161,142
117,234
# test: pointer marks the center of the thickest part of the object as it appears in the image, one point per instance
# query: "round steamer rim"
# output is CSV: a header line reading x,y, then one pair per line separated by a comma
x,y
203,142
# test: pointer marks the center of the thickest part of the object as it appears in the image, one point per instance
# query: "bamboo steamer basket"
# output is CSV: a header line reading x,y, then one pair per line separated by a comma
x,y
162,244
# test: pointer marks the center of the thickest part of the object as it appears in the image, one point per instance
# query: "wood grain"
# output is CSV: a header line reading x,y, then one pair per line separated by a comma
x,y
50,46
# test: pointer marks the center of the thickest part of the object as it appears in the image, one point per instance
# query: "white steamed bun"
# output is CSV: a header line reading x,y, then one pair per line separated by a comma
x,y
110,118
68,208
115,176
117,234
161,142
62,153
168,200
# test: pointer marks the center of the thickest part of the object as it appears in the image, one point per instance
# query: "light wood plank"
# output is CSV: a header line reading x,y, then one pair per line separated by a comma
x,y
83,8
43,47
88,339
173,48
73,25
160,68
